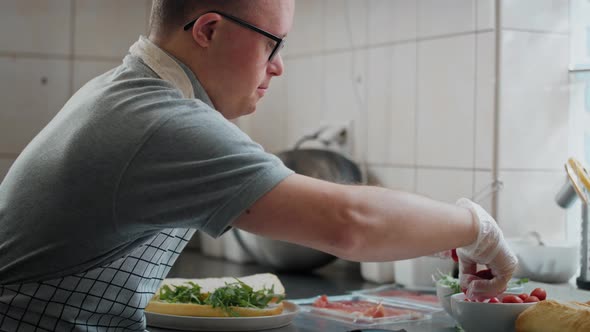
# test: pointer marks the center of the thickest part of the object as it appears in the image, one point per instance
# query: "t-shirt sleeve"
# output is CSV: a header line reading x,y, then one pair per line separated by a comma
x,y
196,170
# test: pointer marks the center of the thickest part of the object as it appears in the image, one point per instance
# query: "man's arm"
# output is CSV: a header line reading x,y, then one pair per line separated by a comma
x,y
359,223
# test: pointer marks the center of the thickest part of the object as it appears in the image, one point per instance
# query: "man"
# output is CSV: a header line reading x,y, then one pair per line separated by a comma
x,y
98,206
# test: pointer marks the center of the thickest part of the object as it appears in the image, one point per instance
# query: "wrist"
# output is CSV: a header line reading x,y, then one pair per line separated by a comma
x,y
472,224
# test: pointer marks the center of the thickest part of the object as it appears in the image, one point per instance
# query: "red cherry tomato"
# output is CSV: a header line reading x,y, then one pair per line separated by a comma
x,y
511,299
485,274
494,300
454,255
531,299
523,296
540,293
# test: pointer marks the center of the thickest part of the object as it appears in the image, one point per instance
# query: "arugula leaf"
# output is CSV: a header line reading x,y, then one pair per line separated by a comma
x,y
453,283
235,294
520,281
448,280
239,294
182,294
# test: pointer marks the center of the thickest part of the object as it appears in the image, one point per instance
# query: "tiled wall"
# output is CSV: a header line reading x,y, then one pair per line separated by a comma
x,y
534,116
48,49
416,78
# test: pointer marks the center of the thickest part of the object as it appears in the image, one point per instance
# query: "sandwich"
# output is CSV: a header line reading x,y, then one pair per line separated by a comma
x,y
250,296
553,316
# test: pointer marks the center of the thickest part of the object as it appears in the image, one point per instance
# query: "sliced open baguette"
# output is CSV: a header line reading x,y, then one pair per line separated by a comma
x,y
197,310
209,285
555,316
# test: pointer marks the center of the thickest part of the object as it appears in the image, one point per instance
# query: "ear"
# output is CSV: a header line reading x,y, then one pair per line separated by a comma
x,y
204,28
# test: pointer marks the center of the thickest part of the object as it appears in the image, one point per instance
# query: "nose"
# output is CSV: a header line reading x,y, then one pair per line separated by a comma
x,y
276,66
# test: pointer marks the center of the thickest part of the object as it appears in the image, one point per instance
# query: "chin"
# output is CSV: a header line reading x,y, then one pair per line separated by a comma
x,y
240,113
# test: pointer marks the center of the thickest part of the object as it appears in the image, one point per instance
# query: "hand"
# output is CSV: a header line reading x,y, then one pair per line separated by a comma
x,y
489,249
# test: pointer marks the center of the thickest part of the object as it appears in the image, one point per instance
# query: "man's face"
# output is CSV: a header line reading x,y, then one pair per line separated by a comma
x,y
240,70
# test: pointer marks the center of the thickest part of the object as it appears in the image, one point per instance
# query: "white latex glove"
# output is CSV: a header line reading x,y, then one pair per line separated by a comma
x,y
489,249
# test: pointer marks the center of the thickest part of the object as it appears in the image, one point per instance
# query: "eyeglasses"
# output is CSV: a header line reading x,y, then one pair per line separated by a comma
x,y
280,42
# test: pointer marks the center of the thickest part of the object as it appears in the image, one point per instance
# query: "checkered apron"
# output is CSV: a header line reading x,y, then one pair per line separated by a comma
x,y
107,298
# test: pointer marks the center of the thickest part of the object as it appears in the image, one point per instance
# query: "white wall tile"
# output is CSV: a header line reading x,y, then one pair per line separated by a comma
x,y
391,20
5,164
391,105
444,185
446,101
393,177
307,35
36,26
32,92
484,98
305,95
534,101
267,126
85,70
108,27
527,204
437,18
579,32
346,24
539,15
579,117
486,14
344,86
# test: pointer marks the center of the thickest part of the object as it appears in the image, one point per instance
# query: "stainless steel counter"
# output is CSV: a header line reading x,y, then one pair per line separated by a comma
x,y
335,279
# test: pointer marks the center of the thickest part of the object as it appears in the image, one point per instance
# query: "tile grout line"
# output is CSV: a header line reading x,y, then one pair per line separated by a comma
x,y
544,32
475,101
383,45
72,45
41,56
416,100
497,96
455,168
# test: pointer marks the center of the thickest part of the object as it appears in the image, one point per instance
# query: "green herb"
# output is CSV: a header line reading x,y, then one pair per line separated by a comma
x,y
182,294
235,294
238,294
453,283
519,282
449,281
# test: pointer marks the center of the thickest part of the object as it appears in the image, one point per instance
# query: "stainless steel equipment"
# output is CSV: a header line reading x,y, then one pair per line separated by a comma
x,y
317,163
578,185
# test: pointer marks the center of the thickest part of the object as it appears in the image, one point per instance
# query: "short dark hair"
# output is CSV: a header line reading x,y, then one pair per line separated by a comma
x,y
170,15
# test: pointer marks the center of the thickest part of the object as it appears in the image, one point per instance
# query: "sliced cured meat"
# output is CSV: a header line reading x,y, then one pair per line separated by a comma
x,y
363,308
409,295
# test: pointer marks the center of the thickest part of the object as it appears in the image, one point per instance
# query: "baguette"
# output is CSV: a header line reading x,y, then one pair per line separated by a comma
x,y
208,286
555,316
200,310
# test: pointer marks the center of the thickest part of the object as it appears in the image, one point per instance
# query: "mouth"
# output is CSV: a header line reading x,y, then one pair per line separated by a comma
x,y
261,90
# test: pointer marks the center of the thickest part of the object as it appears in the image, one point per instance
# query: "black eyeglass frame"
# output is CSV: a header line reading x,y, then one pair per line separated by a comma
x,y
280,42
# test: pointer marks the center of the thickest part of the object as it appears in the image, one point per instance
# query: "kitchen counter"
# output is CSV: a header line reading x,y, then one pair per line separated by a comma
x,y
335,279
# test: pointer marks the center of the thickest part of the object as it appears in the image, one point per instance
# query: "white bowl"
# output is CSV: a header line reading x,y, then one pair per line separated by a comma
x,y
486,317
444,292
551,263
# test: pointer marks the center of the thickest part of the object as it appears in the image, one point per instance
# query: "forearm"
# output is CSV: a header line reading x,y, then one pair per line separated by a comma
x,y
392,225
358,223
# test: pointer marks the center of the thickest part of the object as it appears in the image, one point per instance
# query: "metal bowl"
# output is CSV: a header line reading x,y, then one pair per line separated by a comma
x,y
321,164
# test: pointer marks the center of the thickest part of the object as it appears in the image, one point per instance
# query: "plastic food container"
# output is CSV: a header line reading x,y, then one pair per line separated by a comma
x,y
360,310
423,298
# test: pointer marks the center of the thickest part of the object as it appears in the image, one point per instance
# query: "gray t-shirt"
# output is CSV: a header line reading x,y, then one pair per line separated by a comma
x,y
98,206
